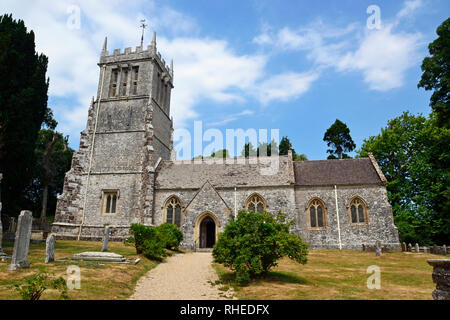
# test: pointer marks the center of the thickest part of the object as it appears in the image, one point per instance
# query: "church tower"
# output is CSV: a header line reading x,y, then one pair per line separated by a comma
x,y
129,131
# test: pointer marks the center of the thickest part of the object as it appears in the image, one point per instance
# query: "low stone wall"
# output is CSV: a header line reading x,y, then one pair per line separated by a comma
x,y
65,231
441,276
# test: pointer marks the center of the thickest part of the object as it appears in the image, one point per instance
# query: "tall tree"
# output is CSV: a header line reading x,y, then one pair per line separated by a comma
x,y
248,150
406,150
23,101
285,146
436,74
338,138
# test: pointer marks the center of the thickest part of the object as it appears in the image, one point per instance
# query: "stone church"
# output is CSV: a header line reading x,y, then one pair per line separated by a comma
x,y
124,172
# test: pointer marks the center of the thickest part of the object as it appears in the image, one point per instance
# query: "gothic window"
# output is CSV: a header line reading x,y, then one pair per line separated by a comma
x,y
113,86
173,211
317,214
109,202
358,211
135,80
124,81
255,203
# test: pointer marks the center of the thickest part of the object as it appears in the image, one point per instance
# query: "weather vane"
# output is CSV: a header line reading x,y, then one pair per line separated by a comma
x,y
143,26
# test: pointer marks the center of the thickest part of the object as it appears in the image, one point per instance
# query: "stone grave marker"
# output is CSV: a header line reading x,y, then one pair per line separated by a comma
x,y
409,247
50,249
22,241
417,248
444,250
403,247
106,239
378,248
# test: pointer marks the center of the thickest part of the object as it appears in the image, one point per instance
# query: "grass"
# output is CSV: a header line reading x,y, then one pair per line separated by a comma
x,y
334,275
99,281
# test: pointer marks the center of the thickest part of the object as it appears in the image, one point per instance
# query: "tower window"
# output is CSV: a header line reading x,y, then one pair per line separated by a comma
x,y
124,82
113,86
135,80
109,202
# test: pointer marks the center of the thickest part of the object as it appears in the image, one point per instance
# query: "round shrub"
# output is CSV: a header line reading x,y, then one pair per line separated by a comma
x,y
253,243
170,235
142,233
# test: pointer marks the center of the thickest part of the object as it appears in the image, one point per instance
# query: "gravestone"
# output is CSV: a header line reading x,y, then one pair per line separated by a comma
x,y
106,239
444,250
50,249
417,248
409,247
22,241
403,247
378,248
425,249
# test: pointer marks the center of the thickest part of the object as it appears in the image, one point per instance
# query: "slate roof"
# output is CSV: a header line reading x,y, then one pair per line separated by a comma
x,y
336,172
189,175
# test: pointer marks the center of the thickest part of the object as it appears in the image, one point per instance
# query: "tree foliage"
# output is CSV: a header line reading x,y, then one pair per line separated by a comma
x,y
253,243
23,108
412,152
53,159
338,138
436,74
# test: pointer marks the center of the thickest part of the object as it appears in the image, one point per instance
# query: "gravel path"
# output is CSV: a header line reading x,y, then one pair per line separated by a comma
x,y
186,276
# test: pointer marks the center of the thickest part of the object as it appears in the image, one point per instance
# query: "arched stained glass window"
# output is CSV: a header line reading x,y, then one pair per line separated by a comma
x,y
358,211
255,203
317,214
173,211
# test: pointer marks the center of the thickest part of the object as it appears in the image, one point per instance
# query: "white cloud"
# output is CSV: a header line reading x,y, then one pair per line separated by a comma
x,y
382,56
286,86
409,7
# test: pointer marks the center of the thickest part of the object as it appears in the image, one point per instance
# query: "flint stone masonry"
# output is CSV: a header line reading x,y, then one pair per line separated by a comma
x,y
22,243
441,276
50,249
133,156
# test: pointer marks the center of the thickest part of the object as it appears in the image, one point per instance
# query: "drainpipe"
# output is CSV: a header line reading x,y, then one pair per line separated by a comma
x,y
337,216
235,203
92,152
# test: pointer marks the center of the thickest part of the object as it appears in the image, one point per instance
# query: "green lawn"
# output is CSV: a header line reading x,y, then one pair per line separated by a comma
x,y
334,275
102,281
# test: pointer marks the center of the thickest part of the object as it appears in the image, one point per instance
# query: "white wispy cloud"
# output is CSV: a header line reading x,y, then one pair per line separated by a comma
x,y
382,56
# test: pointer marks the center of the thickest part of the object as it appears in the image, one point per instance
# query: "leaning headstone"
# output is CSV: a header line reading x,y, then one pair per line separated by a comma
x,y
378,248
417,248
50,249
409,247
441,276
106,239
444,250
403,247
22,242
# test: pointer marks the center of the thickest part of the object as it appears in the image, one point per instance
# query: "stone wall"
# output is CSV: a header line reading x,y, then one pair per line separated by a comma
x,y
380,224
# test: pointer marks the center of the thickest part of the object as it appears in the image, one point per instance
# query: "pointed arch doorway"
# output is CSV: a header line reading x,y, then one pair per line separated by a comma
x,y
206,231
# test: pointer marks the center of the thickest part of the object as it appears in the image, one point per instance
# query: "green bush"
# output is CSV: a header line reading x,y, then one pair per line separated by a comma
x,y
36,284
170,235
148,241
253,243
141,233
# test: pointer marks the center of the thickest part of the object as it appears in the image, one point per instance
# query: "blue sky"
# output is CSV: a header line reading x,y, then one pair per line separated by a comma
x,y
296,66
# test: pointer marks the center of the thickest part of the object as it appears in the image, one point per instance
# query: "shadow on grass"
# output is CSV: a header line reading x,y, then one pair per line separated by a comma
x,y
229,278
